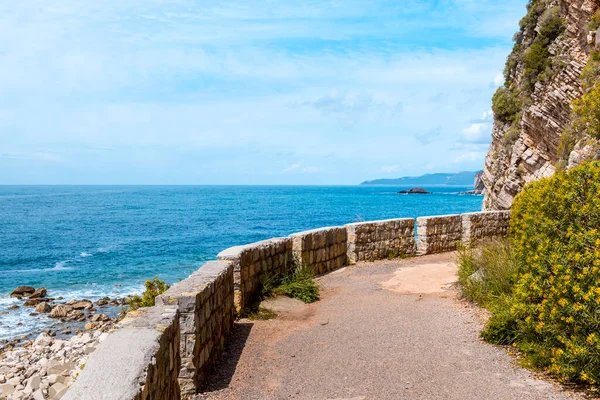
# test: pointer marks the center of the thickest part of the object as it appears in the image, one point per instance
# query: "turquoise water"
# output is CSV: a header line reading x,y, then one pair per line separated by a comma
x,y
79,242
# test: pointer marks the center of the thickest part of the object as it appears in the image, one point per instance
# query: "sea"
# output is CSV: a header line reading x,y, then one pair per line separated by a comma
x,y
94,241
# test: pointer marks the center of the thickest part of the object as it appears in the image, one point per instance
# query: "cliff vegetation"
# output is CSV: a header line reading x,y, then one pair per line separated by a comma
x,y
542,122
543,285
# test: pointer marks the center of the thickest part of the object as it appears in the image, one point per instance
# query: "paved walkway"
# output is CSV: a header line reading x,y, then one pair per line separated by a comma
x,y
384,330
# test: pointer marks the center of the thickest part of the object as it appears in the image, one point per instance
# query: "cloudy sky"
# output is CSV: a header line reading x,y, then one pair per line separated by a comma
x,y
247,92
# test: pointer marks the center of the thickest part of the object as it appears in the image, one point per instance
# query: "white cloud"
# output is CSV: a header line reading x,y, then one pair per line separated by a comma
x,y
477,132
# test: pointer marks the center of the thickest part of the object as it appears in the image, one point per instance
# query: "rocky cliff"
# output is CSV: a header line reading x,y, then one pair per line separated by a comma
x,y
533,110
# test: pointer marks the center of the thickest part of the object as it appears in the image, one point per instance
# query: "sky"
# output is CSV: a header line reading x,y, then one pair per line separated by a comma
x,y
247,92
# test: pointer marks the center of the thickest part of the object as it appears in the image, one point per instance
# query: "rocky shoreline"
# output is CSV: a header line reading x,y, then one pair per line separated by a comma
x,y
44,367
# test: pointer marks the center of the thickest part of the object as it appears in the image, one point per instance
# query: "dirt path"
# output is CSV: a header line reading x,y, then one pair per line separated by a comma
x,y
384,330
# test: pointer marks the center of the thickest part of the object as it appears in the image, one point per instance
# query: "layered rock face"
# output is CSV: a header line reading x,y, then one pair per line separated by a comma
x,y
526,148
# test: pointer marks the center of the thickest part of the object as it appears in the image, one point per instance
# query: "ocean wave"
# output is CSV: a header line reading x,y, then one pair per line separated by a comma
x,y
85,254
59,266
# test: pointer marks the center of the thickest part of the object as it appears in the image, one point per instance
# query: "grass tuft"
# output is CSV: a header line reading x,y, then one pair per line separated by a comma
x,y
488,271
300,284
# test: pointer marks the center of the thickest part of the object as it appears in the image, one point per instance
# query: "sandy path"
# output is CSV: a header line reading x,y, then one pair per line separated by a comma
x,y
384,330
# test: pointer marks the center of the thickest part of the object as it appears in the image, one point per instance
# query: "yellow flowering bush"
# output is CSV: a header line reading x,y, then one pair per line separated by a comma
x,y
553,312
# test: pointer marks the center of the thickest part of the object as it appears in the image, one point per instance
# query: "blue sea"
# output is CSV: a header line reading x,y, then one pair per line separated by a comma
x,y
95,241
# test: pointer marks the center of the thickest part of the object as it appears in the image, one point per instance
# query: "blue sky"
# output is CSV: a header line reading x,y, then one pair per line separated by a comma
x,y
247,92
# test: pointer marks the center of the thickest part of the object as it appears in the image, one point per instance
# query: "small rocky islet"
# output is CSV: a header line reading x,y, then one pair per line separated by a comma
x,y
414,191
43,368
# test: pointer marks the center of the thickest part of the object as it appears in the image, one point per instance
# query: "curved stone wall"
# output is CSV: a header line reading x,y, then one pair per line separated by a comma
x,y
167,350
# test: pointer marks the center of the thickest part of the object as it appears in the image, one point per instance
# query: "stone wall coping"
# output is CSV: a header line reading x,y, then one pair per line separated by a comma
x,y
380,221
419,219
317,230
119,363
486,213
195,283
234,252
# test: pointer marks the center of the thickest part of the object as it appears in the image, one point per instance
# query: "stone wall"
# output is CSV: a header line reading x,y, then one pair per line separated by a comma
x,y
205,302
438,234
140,360
323,249
162,351
254,263
377,240
484,225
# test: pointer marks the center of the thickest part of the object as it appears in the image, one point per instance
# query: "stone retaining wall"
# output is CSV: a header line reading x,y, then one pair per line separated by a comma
x,y
376,240
139,361
205,302
323,250
439,234
151,357
485,225
256,262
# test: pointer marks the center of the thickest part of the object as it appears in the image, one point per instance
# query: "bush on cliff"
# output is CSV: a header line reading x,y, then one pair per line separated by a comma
x,y
586,113
505,104
552,313
536,60
154,288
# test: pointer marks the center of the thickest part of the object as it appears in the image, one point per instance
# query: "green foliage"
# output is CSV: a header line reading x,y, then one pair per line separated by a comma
x,y
591,72
487,272
594,21
586,113
552,313
300,284
536,60
154,288
568,140
505,104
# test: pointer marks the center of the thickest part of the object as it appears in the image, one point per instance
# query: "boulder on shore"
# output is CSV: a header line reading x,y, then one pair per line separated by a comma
x,y
22,291
81,305
39,293
414,191
43,308
60,311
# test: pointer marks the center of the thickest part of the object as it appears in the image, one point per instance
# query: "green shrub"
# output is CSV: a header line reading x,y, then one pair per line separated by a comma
x,y
553,312
154,288
586,113
505,104
300,284
536,60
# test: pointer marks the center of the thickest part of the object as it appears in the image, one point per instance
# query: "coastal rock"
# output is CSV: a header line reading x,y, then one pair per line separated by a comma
x,y
22,291
13,307
103,301
414,191
32,302
82,305
478,185
43,308
60,311
39,293
100,317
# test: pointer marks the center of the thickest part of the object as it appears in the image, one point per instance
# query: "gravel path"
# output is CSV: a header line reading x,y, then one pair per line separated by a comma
x,y
384,330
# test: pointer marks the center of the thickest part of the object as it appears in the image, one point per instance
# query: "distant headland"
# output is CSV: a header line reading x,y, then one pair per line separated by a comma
x,y
464,178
